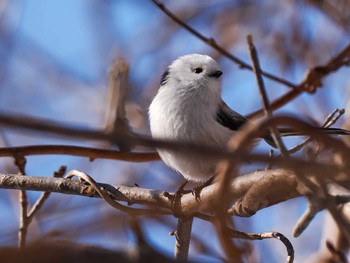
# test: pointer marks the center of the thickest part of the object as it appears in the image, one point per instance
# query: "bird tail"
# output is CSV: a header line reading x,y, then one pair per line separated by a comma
x,y
286,132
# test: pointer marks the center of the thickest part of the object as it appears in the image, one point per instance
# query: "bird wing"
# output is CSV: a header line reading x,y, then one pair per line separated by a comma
x,y
234,121
229,118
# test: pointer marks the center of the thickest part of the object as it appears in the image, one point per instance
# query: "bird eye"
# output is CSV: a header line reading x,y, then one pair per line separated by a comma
x,y
197,70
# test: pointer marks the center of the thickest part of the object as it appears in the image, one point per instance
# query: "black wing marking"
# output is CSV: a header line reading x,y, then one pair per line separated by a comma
x,y
229,118
234,121
164,78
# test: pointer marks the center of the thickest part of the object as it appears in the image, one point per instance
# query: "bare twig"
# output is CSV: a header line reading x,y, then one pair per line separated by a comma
x,y
264,98
311,81
278,103
20,162
116,119
45,126
313,208
91,153
45,195
108,197
183,236
211,42
50,127
330,120
266,235
337,256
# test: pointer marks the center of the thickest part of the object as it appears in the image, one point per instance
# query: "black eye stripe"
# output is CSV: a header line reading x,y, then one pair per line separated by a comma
x,y
198,70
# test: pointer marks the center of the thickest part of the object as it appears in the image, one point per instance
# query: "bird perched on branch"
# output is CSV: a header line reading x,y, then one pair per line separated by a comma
x,y
188,108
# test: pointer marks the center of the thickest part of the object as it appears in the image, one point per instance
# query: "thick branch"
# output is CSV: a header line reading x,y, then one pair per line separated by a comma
x,y
183,236
190,205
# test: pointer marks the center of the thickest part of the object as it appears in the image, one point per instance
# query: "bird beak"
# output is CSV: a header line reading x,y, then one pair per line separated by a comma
x,y
215,74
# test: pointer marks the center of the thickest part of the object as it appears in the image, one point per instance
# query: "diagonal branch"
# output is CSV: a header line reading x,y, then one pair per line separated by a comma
x,y
211,42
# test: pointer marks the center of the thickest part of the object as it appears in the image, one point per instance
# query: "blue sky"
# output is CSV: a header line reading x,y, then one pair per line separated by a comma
x,y
57,67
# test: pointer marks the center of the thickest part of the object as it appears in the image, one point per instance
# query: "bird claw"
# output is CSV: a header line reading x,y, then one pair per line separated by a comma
x,y
176,198
197,190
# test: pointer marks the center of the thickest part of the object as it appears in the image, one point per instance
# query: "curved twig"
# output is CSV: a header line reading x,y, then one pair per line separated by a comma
x,y
106,196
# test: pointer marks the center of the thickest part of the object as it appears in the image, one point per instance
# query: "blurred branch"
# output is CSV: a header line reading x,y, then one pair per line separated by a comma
x,y
211,42
330,120
183,236
91,153
264,98
312,81
337,256
116,120
20,162
48,126
338,12
310,84
254,132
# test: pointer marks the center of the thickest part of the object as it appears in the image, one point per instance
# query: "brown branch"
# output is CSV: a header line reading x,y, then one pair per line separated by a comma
x,y
264,98
109,198
310,84
337,256
91,153
20,162
278,103
45,195
219,153
136,195
116,119
211,42
312,81
183,236
330,120
51,127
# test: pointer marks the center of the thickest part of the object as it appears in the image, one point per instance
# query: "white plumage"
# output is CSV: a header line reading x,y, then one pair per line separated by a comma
x,y
186,109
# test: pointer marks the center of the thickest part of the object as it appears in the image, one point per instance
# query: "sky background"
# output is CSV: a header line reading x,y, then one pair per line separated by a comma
x,y
55,56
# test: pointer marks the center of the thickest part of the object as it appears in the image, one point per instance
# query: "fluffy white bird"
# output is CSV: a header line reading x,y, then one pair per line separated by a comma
x,y
188,108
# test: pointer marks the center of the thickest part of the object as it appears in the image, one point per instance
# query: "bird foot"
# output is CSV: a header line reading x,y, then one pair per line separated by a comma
x,y
197,190
176,198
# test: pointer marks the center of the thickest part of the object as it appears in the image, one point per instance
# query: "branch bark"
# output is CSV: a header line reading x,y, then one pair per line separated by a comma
x,y
241,190
183,237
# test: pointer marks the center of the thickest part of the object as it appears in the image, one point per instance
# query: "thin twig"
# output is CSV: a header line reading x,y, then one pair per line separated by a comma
x,y
20,162
337,256
312,80
108,197
267,235
91,153
278,103
51,127
264,98
211,42
45,195
329,121
183,237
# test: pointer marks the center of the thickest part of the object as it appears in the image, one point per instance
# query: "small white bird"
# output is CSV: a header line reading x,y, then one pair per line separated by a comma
x,y
188,108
